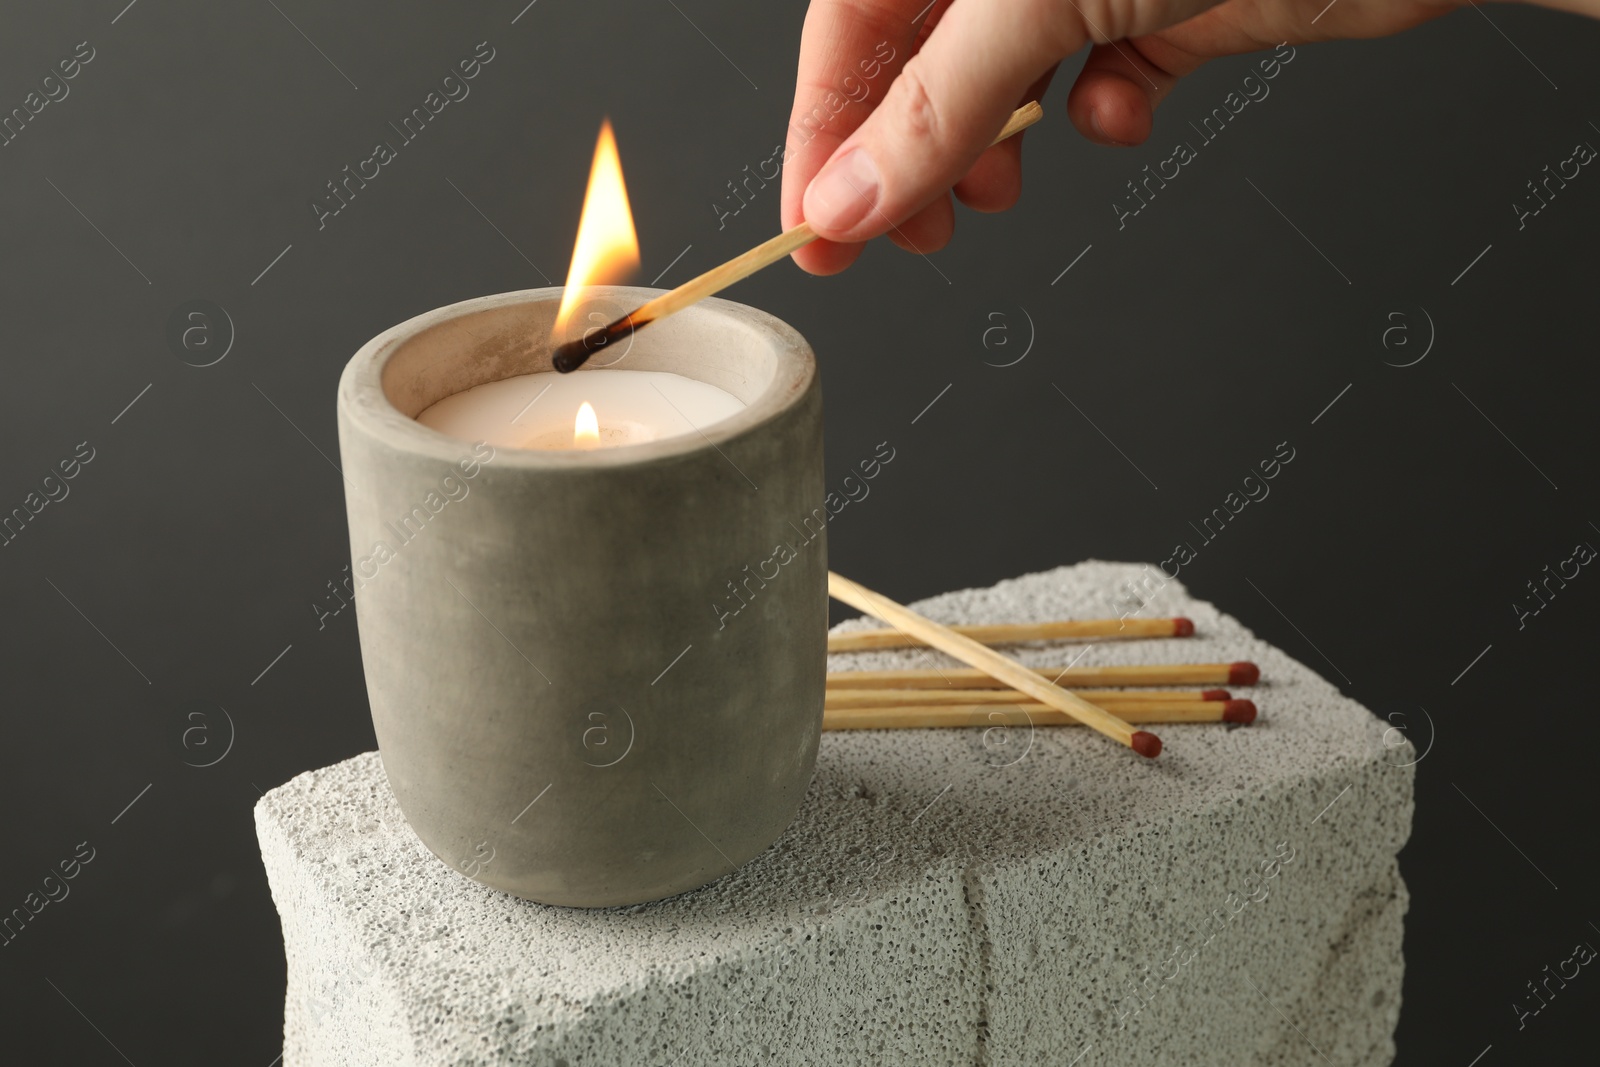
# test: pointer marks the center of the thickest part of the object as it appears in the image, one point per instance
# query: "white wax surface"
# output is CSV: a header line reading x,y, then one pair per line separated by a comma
x,y
538,410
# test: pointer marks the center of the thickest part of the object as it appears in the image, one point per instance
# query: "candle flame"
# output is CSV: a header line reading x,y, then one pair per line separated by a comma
x,y
586,427
607,249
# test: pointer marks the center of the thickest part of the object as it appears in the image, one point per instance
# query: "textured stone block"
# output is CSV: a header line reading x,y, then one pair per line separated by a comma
x,y
1002,896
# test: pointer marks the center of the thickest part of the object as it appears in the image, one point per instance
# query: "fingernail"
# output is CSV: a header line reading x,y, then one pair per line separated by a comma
x,y
1097,126
843,194
1100,130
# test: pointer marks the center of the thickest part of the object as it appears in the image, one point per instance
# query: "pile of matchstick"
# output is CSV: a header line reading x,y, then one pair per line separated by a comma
x,y
997,689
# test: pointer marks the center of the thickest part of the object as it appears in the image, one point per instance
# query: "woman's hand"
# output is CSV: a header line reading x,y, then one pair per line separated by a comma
x,y
888,158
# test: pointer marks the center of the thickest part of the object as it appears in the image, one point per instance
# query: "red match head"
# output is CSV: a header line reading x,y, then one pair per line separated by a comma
x,y
1182,627
1240,711
1243,673
1215,694
1146,744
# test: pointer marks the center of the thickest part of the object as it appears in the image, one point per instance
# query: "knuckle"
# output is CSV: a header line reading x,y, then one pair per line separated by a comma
x,y
1066,26
916,104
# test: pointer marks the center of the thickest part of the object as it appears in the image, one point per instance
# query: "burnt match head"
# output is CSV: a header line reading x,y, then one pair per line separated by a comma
x,y
570,356
574,353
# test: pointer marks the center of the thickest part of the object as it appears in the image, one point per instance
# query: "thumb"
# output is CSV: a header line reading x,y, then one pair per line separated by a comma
x,y
938,116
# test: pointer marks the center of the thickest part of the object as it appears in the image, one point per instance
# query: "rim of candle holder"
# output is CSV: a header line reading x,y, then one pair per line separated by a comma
x,y
366,395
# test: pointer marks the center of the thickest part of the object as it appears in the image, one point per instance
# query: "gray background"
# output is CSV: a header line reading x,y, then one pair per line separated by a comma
x,y
190,550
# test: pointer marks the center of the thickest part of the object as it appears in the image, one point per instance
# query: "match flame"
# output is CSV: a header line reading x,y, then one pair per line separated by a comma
x,y
607,249
586,427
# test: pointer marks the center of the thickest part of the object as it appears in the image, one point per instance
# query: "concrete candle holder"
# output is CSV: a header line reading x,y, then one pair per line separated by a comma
x,y
564,709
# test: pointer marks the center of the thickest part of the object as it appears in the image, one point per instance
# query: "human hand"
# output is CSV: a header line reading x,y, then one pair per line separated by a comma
x,y
919,103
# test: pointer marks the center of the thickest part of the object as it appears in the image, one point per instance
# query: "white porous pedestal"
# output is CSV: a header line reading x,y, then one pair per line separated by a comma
x,y
943,897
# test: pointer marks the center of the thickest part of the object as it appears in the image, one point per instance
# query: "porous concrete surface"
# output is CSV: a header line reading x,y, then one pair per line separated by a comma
x,y
1005,896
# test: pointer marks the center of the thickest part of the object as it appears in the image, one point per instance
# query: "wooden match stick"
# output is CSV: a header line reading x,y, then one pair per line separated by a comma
x,y
571,356
1241,673
992,663
1017,632
1112,699
1019,715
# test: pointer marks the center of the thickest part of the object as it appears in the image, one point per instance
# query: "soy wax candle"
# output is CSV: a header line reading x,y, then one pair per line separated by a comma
x,y
589,409
565,708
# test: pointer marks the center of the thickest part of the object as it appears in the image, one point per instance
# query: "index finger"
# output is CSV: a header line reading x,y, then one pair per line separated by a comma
x,y
850,51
